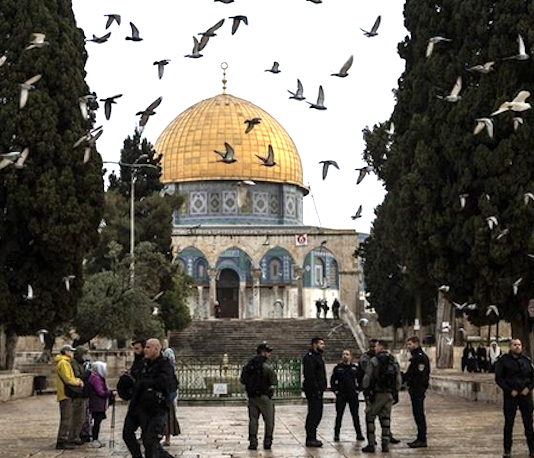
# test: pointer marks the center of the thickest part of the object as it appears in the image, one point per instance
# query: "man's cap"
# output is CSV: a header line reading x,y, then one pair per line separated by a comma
x,y
264,346
65,348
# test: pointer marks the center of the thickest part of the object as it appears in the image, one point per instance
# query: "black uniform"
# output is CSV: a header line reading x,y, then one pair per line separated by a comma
x,y
131,421
417,378
335,309
344,384
516,373
314,387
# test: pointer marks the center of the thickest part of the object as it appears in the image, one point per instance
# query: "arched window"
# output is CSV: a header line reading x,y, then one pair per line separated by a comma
x,y
333,274
319,272
201,270
275,269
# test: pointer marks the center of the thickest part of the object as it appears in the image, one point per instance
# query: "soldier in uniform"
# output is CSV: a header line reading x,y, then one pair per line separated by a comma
x,y
314,387
344,384
417,378
381,382
515,375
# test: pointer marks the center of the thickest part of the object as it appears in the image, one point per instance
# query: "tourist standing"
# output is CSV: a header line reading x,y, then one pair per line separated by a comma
x,y
172,427
260,380
381,382
99,399
65,376
314,387
515,375
494,354
417,378
79,405
345,386
335,308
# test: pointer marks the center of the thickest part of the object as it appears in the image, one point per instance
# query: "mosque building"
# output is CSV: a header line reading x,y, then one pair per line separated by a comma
x,y
240,233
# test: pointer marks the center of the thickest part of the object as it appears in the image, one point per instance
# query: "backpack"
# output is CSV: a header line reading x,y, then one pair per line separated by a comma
x,y
387,374
253,379
125,387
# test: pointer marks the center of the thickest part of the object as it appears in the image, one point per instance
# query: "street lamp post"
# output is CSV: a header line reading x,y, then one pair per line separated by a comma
x,y
135,167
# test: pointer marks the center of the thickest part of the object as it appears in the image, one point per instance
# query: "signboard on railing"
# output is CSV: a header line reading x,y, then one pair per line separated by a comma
x,y
220,389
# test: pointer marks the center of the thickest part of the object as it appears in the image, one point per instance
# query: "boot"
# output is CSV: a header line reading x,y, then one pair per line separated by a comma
x,y
385,447
368,449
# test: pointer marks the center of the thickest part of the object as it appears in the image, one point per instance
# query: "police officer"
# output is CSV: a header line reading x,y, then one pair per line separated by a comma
x,y
344,384
381,381
417,378
314,387
515,375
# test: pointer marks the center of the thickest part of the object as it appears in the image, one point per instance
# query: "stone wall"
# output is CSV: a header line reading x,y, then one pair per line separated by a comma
x,y
14,385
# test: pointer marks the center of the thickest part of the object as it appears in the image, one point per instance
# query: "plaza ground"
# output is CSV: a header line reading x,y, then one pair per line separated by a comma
x,y
456,429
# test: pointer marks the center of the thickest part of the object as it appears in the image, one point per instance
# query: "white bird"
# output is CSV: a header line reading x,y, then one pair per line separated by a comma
x,y
484,68
14,158
41,334
319,105
444,288
25,88
67,281
155,311
492,222
363,322
463,200
299,95
492,309
502,234
195,54
449,340
391,129
518,121
402,268
431,42
454,96
528,196
3,60
90,141
522,55
38,41
515,286
157,296
518,104
83,102
30,296
484,123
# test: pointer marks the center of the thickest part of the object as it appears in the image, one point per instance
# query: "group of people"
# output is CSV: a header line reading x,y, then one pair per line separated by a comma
x,y
322,308
377,375
480,359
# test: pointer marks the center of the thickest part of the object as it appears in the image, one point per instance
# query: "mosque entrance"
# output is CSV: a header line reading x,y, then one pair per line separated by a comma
x,y
228,293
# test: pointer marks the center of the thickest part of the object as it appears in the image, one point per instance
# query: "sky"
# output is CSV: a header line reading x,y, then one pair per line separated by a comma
x,y
310,41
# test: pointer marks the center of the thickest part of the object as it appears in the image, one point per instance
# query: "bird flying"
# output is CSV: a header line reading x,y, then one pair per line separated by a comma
x,y
518,104
528,196
90,141
195,54
521,55
274,68
37,41
492,222
83,103
269,160
463,200
149,111
444,288
299,94
319,105
454,96
326,165
482,68
112,18
228,156
251,123
492,309
211,31
358,213
237,21
432,42
363,172
30,296
484,123
515,286
14,158
101,39
161,66
518,121
344,70
25,88
67,281
135,33
374,31
107,104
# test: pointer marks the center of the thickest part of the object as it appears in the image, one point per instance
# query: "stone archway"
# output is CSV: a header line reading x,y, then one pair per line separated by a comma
x,y
228,293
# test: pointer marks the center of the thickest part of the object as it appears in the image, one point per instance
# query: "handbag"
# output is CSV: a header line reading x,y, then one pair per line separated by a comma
x,y
73,391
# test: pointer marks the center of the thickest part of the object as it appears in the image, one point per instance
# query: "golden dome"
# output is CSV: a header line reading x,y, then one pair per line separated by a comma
x,y
188,142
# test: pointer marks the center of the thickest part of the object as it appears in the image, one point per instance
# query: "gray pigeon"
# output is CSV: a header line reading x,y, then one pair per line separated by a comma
x,y
135,33
228,156
274,68
319,105
299,94
145,114
237,21
38,41
363,172
112,18
315,1
251,123
195,54
211,31
344,70
107,104
14,158
358,213
269,160
326,165
25,88
374,30
101,39
83,102
225,1
161,66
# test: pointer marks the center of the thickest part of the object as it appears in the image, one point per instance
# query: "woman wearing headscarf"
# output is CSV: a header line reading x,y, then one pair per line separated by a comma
x,y
99,399
494,354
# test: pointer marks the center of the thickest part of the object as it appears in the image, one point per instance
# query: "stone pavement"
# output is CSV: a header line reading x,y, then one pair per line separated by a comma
x,y
456,429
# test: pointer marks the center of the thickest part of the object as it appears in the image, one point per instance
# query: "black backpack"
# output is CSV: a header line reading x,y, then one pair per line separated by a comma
x,y
253,378
387,373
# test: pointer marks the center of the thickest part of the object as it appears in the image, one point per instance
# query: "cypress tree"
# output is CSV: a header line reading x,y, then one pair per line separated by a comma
x,y
51,208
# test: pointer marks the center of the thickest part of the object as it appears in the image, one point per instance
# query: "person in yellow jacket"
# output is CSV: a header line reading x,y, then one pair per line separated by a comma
x,y
65,375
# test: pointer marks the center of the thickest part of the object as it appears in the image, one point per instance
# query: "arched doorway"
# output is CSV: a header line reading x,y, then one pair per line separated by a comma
x,y
228,293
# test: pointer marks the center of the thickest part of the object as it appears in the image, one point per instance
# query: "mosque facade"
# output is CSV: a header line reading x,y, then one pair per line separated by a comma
x,y
240,234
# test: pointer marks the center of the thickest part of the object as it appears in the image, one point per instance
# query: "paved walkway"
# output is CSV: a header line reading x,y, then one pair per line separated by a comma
x,y
456,429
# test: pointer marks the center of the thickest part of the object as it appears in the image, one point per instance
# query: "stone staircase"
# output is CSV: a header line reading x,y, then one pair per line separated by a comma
x,y
289,337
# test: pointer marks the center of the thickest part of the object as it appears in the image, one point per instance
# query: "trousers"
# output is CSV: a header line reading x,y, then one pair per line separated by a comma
x,y
526,407
418,410
265,406
315,413
78,417
131,424
341,402
379,406
65,415
152,431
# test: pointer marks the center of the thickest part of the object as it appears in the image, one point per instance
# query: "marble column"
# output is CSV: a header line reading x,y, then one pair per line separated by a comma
x,y
200,304
212,275
242,300
256,299
300,283
276,305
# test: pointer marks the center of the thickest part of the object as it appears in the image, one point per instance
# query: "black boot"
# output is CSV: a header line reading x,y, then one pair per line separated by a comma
x,y
368,449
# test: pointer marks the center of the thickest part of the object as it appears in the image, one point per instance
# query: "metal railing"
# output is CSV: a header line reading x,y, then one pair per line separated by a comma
x,y
218,379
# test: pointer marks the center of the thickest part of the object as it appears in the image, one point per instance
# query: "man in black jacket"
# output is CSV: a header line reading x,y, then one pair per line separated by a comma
x,y
314,387
344,384
515,375
417,377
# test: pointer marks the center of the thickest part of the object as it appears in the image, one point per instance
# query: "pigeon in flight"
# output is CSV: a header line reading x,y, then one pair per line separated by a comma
x,y
25,88
211,31
228,156
518,104
449,341
344,70
483,68
315,1
135,33
528,196
492,222
518,121
502,234
237,21
161,66
515,286
145,114
90,141
195,54
107,104
363,172
83,103
454,96
374,30
112,18
463,200
101,39
225,1
299,94
465,305
251,123
484,123
391,129
522,55
269,160
326,165
274,68
358,213
14,158
444,288
492,309
431,42
30,296
37,41
319,105
67,281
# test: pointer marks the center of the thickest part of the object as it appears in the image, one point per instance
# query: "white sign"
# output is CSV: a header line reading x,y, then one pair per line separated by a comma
x,y
220,388
416,325
301,239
